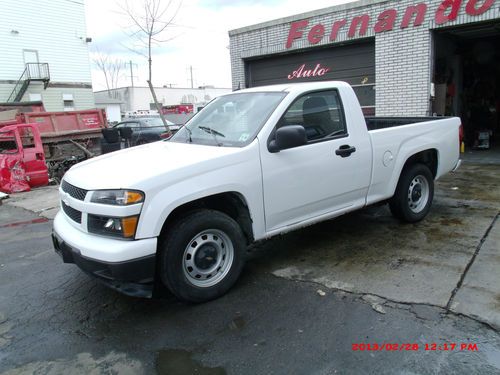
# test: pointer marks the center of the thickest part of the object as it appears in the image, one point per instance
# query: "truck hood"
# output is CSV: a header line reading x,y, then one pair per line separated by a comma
x,y
133,167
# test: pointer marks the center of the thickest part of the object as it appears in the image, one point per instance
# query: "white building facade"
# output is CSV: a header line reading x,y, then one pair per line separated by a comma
x,y
44,54
140,99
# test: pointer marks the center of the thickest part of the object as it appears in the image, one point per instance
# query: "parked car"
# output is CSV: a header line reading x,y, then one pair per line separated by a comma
x,y
251,165
146,129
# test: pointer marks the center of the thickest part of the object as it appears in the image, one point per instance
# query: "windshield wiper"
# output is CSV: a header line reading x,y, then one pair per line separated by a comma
x,y
214,133
211,131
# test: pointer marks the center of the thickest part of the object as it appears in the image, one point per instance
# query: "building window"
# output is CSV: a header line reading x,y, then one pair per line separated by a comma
x,y
68,102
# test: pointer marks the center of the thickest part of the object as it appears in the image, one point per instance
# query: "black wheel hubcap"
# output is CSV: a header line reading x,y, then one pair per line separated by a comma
x,y
206,257
416,193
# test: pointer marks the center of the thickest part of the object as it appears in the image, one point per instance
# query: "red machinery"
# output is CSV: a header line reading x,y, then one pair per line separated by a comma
x,y
59,126
178,109
57,137
22,159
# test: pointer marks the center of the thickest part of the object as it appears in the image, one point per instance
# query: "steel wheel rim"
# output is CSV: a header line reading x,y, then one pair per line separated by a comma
x,y
208,257
418,194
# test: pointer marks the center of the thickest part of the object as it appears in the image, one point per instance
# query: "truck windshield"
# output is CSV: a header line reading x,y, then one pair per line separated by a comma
x,y
232,120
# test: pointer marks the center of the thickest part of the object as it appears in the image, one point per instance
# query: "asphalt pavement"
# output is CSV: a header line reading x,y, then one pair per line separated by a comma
x,y
362,294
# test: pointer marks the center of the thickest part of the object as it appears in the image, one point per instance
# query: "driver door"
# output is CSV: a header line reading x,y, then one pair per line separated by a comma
x,y
308,181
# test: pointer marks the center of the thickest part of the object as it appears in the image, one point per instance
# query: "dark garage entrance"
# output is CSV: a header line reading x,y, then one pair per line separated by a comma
x,y
353,63
467,80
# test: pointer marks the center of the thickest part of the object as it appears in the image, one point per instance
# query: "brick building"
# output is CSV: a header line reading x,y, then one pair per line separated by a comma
x,y
406,57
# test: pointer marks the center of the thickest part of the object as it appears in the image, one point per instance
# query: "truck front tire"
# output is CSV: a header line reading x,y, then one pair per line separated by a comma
x,y
202,256
413,197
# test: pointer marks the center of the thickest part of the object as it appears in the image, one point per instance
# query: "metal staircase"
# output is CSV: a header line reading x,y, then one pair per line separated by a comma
x,y
33,72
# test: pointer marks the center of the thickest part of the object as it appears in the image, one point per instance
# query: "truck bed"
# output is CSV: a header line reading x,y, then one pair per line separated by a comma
x,y
375,123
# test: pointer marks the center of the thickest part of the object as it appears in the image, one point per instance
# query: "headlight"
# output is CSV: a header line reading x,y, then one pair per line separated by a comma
x,y
122,227
117,197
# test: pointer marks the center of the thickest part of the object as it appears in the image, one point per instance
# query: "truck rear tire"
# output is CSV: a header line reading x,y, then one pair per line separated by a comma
x,y
413,197
202,256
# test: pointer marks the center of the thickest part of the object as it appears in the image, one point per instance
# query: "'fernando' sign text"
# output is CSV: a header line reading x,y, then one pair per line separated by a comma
x,y
414,16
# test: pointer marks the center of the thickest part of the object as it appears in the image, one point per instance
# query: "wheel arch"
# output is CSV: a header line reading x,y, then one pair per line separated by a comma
x,y
428,157
231,203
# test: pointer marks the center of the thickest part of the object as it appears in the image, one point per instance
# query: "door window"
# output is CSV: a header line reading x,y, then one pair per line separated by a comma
x,y
27,138
8,143
320,113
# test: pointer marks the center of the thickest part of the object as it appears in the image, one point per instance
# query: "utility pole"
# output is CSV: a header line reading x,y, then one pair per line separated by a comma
x,y
131,73
192,82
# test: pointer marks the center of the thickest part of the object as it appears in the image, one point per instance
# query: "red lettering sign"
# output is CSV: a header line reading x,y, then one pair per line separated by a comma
x,y
303,72
363,20
473,11
316,34
296,31
447,11
337,25
419,10
451,6
386,21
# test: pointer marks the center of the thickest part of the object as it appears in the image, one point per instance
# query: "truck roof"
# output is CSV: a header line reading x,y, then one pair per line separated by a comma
x,y
294,87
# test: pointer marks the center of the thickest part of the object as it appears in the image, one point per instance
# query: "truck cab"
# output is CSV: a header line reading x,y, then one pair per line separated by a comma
x,y
22,158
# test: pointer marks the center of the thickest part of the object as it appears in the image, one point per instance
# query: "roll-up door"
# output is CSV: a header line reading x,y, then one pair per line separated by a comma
x,y
353,63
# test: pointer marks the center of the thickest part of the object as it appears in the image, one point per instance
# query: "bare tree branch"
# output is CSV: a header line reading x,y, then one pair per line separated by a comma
x,y
134,50
101,61
110,68
150,20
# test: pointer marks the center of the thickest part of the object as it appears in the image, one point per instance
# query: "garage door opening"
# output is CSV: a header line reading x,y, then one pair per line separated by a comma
x,y
467,81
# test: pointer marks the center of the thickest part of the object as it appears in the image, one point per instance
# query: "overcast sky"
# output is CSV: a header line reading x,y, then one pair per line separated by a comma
x,y
200,38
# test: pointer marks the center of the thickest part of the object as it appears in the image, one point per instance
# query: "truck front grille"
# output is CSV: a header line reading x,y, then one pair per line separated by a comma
x,y
74,191
73,214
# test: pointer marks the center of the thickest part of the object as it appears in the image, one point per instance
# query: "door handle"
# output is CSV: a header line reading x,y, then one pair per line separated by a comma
x,y
345,151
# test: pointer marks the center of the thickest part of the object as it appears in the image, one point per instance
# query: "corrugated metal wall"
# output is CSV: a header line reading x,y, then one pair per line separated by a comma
x,y
53,31
53,28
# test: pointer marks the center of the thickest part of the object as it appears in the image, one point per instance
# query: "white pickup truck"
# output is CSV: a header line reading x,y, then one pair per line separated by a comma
x,y
252,164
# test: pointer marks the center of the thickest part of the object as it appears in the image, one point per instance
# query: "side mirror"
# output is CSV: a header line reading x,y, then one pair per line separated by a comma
x,y
289,136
